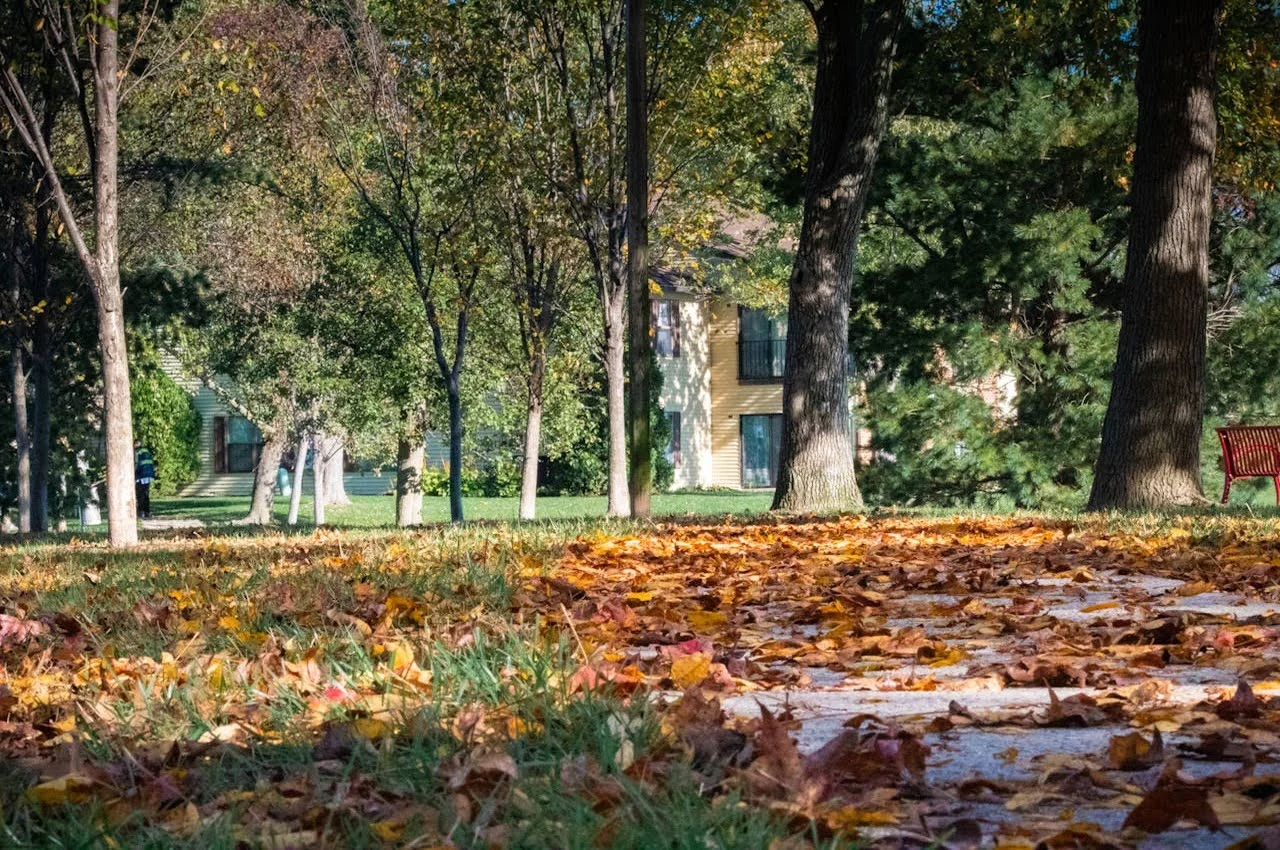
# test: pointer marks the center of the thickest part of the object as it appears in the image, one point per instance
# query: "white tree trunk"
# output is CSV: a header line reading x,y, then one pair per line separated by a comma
x,y
22,437
317,480
299,473
335,485
411,453
529,475
615,381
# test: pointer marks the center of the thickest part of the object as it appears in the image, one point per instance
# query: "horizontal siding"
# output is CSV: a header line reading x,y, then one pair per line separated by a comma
x,y
731,398
241,484
686,389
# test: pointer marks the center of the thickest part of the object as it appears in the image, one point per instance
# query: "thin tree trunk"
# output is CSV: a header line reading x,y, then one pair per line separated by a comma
x,y
410,456
41,422
264,480
22,436
335,459
816,470
640,478
455,451
615,385
122,510
299,478
317,480
532,443
41,371
1150,455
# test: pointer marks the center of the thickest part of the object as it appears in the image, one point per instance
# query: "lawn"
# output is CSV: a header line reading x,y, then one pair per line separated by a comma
x,y
379,511
887,681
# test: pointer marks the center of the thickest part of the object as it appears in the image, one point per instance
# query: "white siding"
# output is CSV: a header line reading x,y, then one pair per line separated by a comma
x,y
686,389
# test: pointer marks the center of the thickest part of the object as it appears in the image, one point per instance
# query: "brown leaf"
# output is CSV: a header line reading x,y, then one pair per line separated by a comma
x,y
1243,703
1172,800
1134,752
777,770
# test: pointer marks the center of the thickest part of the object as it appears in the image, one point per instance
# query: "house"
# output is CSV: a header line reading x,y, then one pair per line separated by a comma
x,y
722,369
230,444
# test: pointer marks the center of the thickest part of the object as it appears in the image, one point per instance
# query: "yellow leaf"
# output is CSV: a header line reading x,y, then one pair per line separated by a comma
x,y
229,623
641,595
705,621
370,729
689,670
73,788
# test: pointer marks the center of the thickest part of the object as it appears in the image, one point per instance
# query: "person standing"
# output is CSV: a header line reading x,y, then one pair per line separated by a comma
x,y
144,472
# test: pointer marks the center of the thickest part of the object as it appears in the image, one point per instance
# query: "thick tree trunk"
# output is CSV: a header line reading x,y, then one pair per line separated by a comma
x,y
455,451
640,478
335,459
410,455
317,481
264,480
122,512
1150,456
532,443
615,386
299,477
22,436
816,470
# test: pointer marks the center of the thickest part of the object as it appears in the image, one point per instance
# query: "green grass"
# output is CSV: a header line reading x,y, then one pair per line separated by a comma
x,y
263,604
379,511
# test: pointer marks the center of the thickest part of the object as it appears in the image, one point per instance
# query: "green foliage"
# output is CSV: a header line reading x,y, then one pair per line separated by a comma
x,y
165,420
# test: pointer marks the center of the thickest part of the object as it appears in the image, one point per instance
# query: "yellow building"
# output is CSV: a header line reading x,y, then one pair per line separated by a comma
x,y
722,388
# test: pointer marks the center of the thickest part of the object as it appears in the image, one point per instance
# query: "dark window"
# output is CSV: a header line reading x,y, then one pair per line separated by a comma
x,y
666,328
237,444
674,455
762,345
219,444
761,435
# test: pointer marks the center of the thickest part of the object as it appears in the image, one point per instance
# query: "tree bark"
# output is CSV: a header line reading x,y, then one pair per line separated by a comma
x,y
264,480
410,456
615,386
816,470
335,458
317,481
532,443
41,368
22,435
122,510
1150,455
455,450
299,477
640,477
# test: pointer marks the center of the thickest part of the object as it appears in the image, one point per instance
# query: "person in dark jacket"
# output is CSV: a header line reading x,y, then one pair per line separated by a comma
x,y
144,472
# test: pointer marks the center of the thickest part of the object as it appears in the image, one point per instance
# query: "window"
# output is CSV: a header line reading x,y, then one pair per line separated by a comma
x,y
237,444
673,446
666,328
761,436
762,345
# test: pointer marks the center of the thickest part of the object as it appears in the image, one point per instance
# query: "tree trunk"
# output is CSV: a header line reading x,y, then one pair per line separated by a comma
x,y
615,385
532,444
22,436
41,422
455,450
41,369
410,455
264,480
122,511
1150,455
816,469
299,476
640,478
335,459
317,481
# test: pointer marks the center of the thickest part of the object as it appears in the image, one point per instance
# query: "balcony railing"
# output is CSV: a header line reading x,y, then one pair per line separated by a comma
x,y
761,359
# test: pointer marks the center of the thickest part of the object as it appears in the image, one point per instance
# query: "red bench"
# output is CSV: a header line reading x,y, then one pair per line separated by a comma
x,y
1250,451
